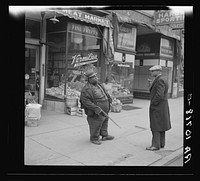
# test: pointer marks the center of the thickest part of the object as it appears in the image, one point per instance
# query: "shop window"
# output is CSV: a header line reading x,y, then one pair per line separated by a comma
x,y
122,78
69,58
32,29
83,51
55,65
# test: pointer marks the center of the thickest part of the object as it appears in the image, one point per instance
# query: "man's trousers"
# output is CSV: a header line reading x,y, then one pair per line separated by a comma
x,y
158,139
98,124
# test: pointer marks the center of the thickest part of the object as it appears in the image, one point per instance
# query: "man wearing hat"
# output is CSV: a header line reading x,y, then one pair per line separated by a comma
x,y
159,109
95,101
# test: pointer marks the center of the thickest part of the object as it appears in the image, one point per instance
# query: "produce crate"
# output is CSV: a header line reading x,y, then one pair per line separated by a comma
x,y
32,122
71,110
80,112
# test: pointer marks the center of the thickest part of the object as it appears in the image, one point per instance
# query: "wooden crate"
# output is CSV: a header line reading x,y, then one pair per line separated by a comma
x,y
80,112
32,122
71,110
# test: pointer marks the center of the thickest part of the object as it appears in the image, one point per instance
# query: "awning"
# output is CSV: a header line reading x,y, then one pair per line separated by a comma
x,y
125,19
167,33
83,16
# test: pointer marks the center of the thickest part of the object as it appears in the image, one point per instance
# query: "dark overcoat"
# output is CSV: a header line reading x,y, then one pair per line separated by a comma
x,y
88,102
159,108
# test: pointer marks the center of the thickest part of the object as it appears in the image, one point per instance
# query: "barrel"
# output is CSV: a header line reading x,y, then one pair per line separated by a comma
x,y
71,102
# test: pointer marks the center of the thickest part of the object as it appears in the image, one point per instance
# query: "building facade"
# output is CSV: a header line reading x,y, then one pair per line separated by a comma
x,y
60,45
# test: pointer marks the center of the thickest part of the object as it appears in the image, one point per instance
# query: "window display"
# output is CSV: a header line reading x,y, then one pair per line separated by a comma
x,y
69,59
120,83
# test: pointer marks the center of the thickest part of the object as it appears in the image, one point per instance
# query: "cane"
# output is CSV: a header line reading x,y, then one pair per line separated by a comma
x,y
110,119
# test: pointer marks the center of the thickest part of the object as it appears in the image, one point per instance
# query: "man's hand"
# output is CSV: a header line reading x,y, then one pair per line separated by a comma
x,y
103,113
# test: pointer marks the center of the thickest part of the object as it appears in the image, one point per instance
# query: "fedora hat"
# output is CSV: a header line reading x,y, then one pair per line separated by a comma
x,y
90,74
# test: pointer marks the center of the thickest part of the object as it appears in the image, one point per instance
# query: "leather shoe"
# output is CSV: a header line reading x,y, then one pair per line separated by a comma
x,y
96,142
104,138
152,148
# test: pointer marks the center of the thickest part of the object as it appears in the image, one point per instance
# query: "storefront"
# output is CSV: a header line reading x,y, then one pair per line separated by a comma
x,y
74,45
152,50
121,71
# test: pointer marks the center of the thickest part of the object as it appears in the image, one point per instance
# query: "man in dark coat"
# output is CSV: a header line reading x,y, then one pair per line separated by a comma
x,y
96,102
159,109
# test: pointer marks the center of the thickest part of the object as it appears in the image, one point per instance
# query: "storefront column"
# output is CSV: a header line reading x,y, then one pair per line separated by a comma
x,y
42,62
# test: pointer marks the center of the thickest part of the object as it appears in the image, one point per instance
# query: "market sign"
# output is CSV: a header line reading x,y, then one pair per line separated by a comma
x,y
87,30
78,60
173,18
83,16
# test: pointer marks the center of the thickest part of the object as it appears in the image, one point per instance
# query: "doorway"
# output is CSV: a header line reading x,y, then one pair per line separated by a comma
x,y
32,74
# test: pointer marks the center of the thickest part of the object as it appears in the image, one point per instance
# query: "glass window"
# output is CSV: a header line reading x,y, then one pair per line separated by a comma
x,y
126,39
83,50
32,29
65,73
122,75
56,65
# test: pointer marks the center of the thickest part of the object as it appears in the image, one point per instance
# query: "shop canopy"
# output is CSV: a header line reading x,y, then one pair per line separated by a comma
x,y
83,16
125,19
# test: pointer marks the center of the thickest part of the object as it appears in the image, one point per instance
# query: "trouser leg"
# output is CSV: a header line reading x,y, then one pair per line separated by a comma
x,y
104,128
94,126
162,139
104,120
156,139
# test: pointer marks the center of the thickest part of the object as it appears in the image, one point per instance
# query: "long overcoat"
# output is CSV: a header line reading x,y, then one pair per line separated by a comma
x,y
159,108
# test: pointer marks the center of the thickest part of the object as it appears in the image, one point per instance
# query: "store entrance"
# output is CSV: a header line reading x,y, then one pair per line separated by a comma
x,y
32,74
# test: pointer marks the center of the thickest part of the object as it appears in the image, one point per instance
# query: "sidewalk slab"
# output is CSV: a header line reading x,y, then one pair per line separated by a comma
x,y
36,153
110,153
64,141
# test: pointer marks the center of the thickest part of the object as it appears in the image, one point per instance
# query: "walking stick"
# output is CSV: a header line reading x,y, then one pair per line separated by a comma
x,y
111,119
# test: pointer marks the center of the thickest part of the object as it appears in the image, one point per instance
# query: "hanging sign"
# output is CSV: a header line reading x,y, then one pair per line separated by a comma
x,y
126,37
83,16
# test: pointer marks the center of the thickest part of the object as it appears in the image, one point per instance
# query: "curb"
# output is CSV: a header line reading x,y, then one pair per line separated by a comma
x,y
165,161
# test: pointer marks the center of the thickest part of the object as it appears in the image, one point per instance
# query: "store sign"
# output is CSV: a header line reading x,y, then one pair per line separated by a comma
x,y
144,47
146,54
173,18
166,47
78,60
83,16
88,30
126,37
123,65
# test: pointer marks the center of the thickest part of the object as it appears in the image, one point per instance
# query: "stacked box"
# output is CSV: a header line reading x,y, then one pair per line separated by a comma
x,y
71,111
32,114
32,122
80,112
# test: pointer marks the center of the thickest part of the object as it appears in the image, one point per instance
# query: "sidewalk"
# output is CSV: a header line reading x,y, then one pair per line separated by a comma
x,y
61,139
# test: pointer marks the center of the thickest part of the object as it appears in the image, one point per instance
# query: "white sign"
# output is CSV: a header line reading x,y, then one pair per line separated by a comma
x,y
118,56
79,61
